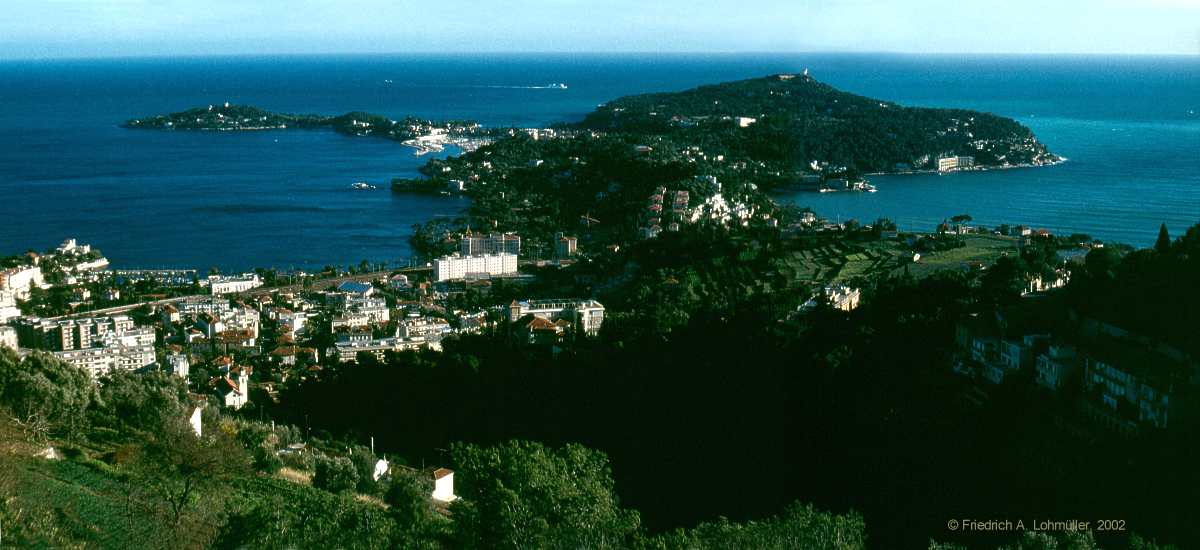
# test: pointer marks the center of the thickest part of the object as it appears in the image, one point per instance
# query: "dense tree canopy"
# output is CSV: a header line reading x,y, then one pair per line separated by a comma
x,y
526,495
40,386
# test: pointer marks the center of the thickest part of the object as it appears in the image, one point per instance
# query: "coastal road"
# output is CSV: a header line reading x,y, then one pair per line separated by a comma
x,y
334,281
316,284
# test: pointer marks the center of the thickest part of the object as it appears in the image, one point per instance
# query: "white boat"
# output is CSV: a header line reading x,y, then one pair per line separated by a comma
x,y
361,185
558,86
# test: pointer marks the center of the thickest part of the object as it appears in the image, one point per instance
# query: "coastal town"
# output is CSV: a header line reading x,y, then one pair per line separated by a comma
x,y
619,277
232,336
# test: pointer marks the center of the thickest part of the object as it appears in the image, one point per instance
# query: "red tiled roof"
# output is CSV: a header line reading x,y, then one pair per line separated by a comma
x,y
537,323
224,385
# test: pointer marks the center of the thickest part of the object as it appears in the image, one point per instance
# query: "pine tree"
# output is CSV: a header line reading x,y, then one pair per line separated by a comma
x,y
1163,244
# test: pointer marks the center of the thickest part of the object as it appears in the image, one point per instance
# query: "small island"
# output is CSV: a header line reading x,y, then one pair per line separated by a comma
x,y
425,135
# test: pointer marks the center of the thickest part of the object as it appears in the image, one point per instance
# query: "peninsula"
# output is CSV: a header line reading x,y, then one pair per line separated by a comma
x,y
775,131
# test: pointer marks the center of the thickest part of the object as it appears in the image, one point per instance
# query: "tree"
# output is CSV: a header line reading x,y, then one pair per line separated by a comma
x,y
335,475
43,387
177,468
296,516
1102,262
364,465
140,402
800,526
259,442
1163,244
408,496
961,218
525,495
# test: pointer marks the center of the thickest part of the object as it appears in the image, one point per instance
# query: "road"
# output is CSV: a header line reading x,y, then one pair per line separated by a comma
x,y
316,284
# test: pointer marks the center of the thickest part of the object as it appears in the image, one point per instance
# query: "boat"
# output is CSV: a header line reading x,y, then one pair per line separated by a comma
x,y
862,186
361,185
557,86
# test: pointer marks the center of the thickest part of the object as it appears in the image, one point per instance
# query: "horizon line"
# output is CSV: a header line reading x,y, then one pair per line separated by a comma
x,y
431,53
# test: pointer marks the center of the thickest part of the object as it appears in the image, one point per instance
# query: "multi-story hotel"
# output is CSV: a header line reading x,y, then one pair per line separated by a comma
x,y
457,266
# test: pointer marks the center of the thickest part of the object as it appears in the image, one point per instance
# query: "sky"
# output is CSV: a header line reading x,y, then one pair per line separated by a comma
x,y
103,28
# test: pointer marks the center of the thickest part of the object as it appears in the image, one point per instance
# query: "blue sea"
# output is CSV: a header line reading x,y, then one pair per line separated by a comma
x,y
1129,125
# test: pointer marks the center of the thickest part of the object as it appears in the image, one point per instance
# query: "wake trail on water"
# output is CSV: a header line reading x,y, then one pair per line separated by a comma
x,y
477,86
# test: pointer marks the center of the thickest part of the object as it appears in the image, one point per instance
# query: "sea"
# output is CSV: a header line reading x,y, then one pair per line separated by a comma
x,y
1129,125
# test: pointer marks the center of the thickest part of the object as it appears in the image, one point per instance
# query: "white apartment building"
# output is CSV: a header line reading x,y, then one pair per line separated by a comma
x,y
73,334
457,266
474,244
21,280
349,320
227,284
236,319
840,297
589,314
950,164
209,304
843,297
8,306
292,323
429,328
113,356
349,350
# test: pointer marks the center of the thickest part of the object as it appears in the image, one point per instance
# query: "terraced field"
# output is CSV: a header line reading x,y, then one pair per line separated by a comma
x,y
839,262
836,262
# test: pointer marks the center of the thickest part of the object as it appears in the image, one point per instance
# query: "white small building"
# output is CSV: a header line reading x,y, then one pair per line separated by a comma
x,y
356,288
443,485
745,121
380,470
8,337
195,420
178,364
233,389
8,306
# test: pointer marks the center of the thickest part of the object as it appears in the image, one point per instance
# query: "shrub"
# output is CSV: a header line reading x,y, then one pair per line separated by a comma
x,y
298,461
335,474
